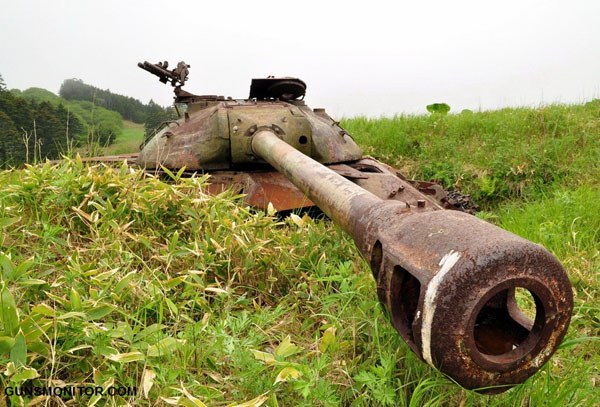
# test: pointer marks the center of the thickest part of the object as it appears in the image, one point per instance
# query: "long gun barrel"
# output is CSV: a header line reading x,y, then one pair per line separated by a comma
x,y
448,279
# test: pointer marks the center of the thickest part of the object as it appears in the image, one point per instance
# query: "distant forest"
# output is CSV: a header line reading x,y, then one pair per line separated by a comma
x,y
32,131
36,124
130,108
151,114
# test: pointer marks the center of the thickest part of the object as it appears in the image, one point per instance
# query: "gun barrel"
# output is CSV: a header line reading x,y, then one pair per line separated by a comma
x,y
163,74
448,279
335,195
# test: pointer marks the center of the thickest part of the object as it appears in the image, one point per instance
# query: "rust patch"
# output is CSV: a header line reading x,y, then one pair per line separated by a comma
x,y
275,188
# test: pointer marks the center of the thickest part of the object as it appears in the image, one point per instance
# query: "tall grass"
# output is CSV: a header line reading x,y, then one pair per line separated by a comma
x,y
493,155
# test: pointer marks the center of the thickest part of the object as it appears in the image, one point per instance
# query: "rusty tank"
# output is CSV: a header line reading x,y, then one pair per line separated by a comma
x,y
446,278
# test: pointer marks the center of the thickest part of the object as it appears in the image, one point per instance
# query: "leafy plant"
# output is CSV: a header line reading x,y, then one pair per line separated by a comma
x,y
440,108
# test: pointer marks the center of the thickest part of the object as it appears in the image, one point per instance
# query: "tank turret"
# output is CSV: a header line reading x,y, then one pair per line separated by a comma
x,y
215,132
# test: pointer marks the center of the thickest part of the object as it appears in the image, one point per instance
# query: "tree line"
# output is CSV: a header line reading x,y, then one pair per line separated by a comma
x,y
130,108
36,125
152,115
32,131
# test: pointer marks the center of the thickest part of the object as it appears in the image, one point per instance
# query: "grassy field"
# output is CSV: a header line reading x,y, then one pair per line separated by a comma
x,y
128,141
112,278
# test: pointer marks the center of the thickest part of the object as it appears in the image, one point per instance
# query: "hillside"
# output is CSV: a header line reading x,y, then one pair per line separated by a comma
x,y
104,120
131,109
122,279
150,114
495,155
36,125
128,141
54,126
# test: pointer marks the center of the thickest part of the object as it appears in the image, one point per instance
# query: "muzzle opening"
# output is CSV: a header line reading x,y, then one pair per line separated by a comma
x,y
509,326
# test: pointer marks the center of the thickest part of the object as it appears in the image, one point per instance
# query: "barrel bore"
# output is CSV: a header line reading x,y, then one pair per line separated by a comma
x,y
447,278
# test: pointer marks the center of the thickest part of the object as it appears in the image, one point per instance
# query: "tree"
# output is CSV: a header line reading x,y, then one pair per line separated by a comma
x,y
49,131
155,116
31,130
72,127
2,84
130,108
441,108
18,109
12,149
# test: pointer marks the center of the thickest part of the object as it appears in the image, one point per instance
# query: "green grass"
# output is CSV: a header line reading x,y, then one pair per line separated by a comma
x,y
128,141
119,278
494,155
101,119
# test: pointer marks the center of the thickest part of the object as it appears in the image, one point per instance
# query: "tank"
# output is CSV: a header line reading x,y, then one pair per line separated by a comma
x,y
446,278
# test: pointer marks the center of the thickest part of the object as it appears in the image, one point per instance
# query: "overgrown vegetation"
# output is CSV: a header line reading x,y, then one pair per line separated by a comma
x,y
122,278
493,155
31,131
36,124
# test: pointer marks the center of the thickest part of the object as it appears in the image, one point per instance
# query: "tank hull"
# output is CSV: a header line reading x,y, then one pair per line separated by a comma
x,y
266,185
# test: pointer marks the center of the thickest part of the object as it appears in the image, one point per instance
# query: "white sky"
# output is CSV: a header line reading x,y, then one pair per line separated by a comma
x,y
365,57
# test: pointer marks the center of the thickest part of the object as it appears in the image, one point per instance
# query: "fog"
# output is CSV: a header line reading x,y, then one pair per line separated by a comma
x,y
369,57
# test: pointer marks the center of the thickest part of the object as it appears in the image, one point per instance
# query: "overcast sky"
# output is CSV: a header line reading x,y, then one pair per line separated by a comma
x,y
365,57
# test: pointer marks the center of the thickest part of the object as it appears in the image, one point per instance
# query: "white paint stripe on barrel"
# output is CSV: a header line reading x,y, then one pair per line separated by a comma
x,y
447,262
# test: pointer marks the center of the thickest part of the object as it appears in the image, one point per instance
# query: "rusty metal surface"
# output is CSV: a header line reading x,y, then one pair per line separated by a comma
x,y
272,187
388,184
200,142
214,132
464,319
176,76
130,158
264,187
347,171
447,278
260,189
277,88
247,118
